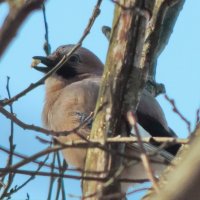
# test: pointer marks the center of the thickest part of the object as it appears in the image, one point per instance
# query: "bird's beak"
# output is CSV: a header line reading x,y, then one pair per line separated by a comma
x,y
49,64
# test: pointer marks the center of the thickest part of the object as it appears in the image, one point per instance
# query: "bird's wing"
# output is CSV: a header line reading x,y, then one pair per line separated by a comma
x,y
151,117
151,149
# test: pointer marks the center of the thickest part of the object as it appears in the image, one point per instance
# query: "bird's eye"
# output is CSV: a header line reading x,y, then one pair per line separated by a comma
x,y
74,59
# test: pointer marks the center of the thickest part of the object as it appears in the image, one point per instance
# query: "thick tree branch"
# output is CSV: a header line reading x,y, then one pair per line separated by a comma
x,y
135,44
163,14
186,172
117,95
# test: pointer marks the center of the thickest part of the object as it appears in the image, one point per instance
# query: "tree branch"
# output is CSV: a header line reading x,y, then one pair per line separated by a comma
x,y
116,94
14,20
64,59
186,172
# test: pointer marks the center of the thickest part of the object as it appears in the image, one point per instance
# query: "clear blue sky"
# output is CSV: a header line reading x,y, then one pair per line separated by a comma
x,y
178,68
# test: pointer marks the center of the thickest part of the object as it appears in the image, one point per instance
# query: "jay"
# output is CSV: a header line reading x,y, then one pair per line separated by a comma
x,y
71,94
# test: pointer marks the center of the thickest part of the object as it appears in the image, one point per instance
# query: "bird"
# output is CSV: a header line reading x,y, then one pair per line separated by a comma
x,y
70,96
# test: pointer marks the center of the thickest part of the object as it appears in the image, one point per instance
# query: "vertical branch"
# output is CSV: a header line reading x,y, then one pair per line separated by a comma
x,y
12,146
117,95
52,179
175,109
47,46
144,157
11,137
60,184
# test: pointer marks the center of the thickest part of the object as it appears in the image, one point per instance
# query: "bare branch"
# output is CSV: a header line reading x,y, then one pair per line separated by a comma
x,y
186,172
60,182
22,156
23,125
64,59
47,46
144,156
14,20
57,175
32,176
175,109
52,178
12,147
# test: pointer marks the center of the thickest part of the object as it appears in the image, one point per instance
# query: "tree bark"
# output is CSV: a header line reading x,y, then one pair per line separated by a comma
x,y
117,94
181,180
137,38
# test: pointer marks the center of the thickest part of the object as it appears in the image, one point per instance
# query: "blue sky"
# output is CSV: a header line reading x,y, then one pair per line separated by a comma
x,y
178,68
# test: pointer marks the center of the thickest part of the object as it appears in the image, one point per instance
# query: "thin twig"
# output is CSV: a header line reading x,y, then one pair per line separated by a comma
x,y
19,155
52,179
75,177
40,129
35,156
110,140
144,157
137,190
85,143
44,164
122,195
133,139
93,143
64,59
175,109
29,179
47,46
70,145
53,149
60,183
63,168
12,146
14,20
183,141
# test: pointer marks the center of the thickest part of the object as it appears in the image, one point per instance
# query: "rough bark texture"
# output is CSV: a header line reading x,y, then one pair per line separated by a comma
x,y
164,14
122,71
140,31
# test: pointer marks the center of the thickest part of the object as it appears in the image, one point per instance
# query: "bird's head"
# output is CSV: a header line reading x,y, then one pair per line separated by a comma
x,y
81,63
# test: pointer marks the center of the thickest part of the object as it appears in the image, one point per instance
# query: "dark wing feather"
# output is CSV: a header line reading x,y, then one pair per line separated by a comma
x,y
151,118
